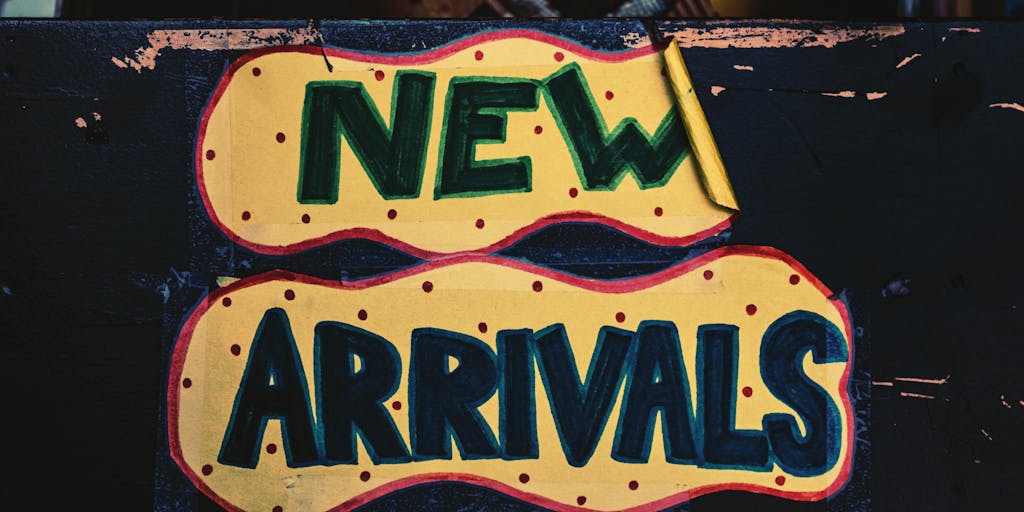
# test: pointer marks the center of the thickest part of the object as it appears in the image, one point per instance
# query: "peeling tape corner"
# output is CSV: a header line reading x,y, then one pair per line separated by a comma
x,y
712,170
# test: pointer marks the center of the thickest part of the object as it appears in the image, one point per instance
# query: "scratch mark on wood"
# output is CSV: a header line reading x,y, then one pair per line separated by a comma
x,y
881,383
908,394
941,381
906,60
1014,106
840,94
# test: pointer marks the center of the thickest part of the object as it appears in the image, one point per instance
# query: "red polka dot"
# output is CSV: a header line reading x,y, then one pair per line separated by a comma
x,y
235,349
361,314
620,317
538,286
479,55
280,137
226,301
708,275
289,295
271,448
392,214
256,71
523,478
658,211
580,500
246,215
538,129
559,56
573,192
278,508
609,95
186,383
780,480
751,309
364,476
305,218
633,485
396,405
379,75
211,154
482,327
794,279
748,391
207,469
428,286
479,223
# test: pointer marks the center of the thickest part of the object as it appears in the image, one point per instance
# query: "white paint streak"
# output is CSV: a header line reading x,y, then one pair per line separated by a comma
x,y
906,60
210,40
716,90
81,123
1002,398
923,381
881,383
915,395
96,116
727,36
742,68
872,96
985,432
973,30
840,94
1014,106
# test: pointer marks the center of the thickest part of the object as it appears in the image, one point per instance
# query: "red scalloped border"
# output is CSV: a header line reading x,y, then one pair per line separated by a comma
x,y
426,58
185,336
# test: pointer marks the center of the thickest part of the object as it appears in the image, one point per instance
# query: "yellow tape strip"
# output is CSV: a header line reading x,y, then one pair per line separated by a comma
x,y
712,170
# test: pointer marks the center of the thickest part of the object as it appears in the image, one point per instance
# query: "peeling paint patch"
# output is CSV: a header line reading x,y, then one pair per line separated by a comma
x,y
742,68
906,60
972,30
872,96
211,40
778,37
840,94
716,90
636,40
1014,106
81,123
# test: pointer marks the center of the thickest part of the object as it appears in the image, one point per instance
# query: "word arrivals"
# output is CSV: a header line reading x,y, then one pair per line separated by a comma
x,y
451,374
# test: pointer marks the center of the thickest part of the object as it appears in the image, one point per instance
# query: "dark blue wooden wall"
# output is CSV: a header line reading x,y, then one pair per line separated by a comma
x,y
105,246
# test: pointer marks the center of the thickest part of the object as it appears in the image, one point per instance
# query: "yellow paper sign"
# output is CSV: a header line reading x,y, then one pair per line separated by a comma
x,y
728,371
464,148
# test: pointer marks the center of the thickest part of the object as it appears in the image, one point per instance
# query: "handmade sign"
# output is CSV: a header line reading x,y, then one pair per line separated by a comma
x,y
466,147
728,371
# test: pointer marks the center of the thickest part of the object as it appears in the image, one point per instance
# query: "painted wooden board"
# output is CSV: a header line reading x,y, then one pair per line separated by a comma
x,y
852,149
